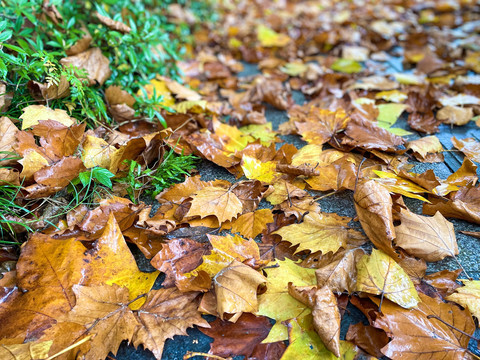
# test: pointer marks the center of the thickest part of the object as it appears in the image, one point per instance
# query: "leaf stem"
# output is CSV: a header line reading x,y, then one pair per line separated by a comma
x,y
453,327
78,343
191,354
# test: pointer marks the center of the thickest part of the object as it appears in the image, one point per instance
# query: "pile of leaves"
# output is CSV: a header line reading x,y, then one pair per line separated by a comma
x,y
259,254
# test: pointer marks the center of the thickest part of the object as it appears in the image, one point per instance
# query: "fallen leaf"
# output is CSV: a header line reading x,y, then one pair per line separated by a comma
x,y
469,146
32,114
318,232
252,223
379,274
61,173
368,338
237,339
347,66
468,296
322,125
165,314
236,289
373,205
270,38
217,201
112,24
7,141
429,238
28,351
424,335
104,311
455,115
425,147
261,171
93,62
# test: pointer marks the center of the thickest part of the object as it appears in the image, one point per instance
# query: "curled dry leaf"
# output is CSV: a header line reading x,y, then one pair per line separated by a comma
x,y
373,205
94,62
469,146
236,290
318,232
429,238
379,274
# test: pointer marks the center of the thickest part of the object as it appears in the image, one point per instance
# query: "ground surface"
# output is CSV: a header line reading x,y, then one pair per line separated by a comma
x,y
342,204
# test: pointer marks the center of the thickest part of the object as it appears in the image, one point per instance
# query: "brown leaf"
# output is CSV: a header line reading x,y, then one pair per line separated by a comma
x,y
369,136
455,115
177,257
249,192
298,207
423,335
61,173
469,146
426,147
429,238
112,24
236,289
94,62
296,170
239,338
7,141
444,282
81,44
368,338
373,205
50,91
423,122
464,204
166,313
322,126
58,140
466,174
104,311
28,351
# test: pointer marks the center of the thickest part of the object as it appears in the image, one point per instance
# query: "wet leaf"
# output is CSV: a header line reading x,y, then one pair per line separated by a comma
x,y
468,296
217,201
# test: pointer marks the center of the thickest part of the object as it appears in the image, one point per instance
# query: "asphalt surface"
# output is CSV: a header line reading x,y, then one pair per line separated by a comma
x,y
342,204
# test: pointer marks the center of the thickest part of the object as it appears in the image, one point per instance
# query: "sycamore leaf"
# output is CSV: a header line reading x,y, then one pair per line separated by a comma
x,y
262,171
262,132
165,313
305,344
373,205
225,250
253,223
422,334
104,311
32,114
429,238
322,125
283,190
318,232
399,185
236,289
277,291
469,146
379,274
425,146
308,155
340,273
28,351
239,338
468,296
112,262
270,38
455,115
217,201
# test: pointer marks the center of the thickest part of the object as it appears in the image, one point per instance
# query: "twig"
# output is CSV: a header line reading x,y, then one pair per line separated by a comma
x,y
191,354
453,327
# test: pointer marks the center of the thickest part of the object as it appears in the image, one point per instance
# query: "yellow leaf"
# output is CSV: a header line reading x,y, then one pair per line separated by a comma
x,y
27,351
270,38
217,201
32,162
236,289
318,232
308,155
263,132
395,96
193,105
468,296
34,113
379,274
160,88
255,169
294,68
97,152
395,184
253,223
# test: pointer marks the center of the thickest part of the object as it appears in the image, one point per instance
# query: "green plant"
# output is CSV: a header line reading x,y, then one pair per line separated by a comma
x,y
152,181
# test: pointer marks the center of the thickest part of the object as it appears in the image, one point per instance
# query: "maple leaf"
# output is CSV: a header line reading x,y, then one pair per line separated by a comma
x,y
239,338
104,311
217,201
379,274
165,313
318,232
252,223
236,289
373,205
420,331
429,238
322,125
468,296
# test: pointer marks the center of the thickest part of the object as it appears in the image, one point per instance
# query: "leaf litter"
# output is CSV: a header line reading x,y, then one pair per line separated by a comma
x,y
258,253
